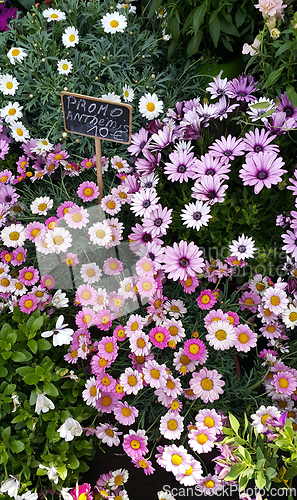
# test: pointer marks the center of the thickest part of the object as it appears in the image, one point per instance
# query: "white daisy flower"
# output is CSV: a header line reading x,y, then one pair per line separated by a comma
x,y
54,15
150,107
100,233
11,112
41,205
16,54
289,316
111,96
128,93
127,7
243,248
171,425
42,146
58,239
19,132
8,84
262,414
90,273
13,235
64,66
70,37
113,23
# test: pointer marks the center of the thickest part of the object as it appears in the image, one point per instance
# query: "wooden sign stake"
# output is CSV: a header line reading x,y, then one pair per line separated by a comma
x,y
99,168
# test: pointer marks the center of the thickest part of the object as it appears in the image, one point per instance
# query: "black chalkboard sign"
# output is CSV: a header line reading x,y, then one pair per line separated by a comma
x,y
97,118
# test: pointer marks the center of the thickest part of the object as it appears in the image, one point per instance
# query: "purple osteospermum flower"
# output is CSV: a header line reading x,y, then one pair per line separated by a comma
x,y
181,167
158,221
259,141
294,186
287,107
290,238
241,89
138,142
6,16
148,164
144,202
163,138
218,87
155,253
262,169
140,236
227,149
4,148
191,125
8,195
182,260
278,123
209,165
209,189
196,215
224,107
206,112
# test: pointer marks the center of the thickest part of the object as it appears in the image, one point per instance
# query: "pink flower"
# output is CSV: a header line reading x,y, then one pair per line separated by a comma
x,y
104,319
270,7
112,266
135,443
108,348
125,414
82,492
159,336
182,260
88,191
28,303
207,384
245,338
206,299
195,350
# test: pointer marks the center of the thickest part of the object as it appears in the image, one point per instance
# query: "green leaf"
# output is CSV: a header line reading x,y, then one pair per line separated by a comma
x,y
198,17
21,356
194,44
50,389
270,472
284,46
290,473
73,462
43,345
260,105
62,471
31,379
18,418
234,423
24,370
174,29
228,431
9,389
3,371
5,330
33,346
17,446
5,434
214,29
27,3
260,480
227,27
50,431
239,18
292,95
234,472
37,324
274,76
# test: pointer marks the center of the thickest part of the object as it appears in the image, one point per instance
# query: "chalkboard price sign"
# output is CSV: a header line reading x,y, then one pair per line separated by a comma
x,y
97,118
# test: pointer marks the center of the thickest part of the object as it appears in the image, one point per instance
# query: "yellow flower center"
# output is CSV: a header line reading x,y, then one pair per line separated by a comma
x,y
185,360
65,66
93,391
114,23
109,347
105,381
5,282
141,343
176,459
48,282
19,132
243,338
100,234
155,373
206,384
90,273
275,300
134,326
201,438
221,335
172,425
111,204
249,302
188,283
170,384
150,107
86,295
42,207
147,285
293,316
105,320
143,464
106,401
132,380
28,303
209,422
126,412
14,236
205,299
189,471
283,383
260,287
87,318
264,418
209,484
194,348
28,276
114,266
88,192
109,432
173,330
121,334
15,52
135,444
55,16
23,164
11,111
9,85
71,38
58,240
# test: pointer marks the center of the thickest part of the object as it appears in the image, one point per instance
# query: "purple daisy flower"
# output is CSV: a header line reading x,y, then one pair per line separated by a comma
x,y
155,253
139,237
182,260
209,165
191,126
262,169
148,164
206,112
287,107
219,87
227,149
4,148
294,186
8,195
138,142
278,123
209,189
6,15
144,202
241,89
224,107
158,221
163,138
290,240
259,141
181,167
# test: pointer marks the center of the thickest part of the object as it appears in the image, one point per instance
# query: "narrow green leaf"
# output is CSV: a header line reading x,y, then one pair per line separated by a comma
x,y
292,95
239,18
198,17
234,423
284,46
194,44
234,472
214,29
260,480
274,76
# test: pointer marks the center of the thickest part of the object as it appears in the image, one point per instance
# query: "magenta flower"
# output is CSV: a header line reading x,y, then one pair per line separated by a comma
x,y
241,89
209,189
88,191
138,142
182,260
28,303
148,164
262,169
159,336
135,443
28,276
206,299
181,167
195,349
125,414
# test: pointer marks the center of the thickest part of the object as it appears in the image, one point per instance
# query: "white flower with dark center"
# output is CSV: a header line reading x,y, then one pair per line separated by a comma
x,y
196,215
11,112
61,334
16,54
70,429
243,248
64,66
43,403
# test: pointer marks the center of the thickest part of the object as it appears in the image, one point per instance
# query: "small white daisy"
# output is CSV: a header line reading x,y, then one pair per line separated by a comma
x,y
111,96
16,54
243,248
128,93
42,146
41,205
8,84
19,132
64,66
100,233
54,15
289,316
90,273
70,37
150,107
13,235
58,239
113,23
11,112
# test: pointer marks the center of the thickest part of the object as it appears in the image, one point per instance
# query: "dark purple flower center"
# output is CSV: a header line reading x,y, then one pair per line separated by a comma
x,y
228,152
241,94
181,169
288,111
289,267
142,145
147,237
146,203
7,199
158,222
220,91
197,215
210,171
151,256
257,149
148,184
184,262
262,175
241,248
296,242
211,195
